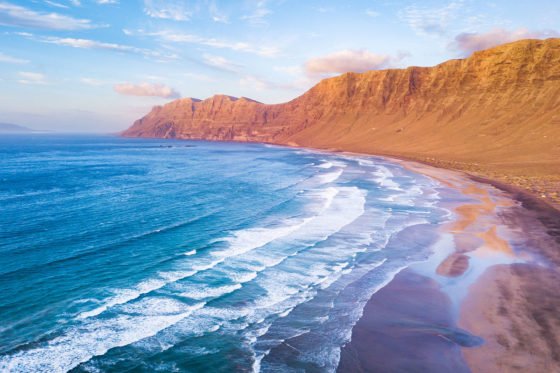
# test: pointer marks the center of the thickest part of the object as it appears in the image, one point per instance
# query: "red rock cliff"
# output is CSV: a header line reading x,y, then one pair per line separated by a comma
x,y
498,105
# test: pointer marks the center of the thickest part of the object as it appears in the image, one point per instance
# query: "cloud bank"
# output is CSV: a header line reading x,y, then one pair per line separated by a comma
x,y
146,89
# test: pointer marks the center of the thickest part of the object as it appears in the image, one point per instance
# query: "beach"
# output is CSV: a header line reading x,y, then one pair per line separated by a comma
x,y
485,127
205,256
175,255
485,302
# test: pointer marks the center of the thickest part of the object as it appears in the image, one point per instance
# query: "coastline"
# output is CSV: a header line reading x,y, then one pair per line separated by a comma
x,y
500,276
532,244
485,309
539,192
539,189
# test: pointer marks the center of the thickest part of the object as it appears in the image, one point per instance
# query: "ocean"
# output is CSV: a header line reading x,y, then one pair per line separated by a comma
x,y
163,255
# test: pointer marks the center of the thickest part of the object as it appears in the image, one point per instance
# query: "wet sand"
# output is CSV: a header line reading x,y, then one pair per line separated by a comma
x,y
500,282
407,326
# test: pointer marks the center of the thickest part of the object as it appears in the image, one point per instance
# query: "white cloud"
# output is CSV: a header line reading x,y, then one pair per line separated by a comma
x,y
372,13
85,43
94,44
466,43
27,77
75,2
431,20
56,5
146,89
175,37
220,18
105,2
220,63
167,9
258,15
92,82
18,16
215,13
9,59
348,61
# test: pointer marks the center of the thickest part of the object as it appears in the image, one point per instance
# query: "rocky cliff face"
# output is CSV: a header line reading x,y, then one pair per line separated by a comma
x,y
498,105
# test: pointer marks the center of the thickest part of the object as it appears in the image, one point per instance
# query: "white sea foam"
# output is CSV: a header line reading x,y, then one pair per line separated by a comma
x,y
97,336
189,253
339,207
246,240
243,277
343,210
384,177
123,296
329,177
206,266
365,162
268,262
240,242
209,292
249,239
256,367
285,313
225,313
339,163
325,165
287,287
173,276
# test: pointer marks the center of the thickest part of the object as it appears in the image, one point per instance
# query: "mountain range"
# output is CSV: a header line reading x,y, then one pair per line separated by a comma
x,y
495,114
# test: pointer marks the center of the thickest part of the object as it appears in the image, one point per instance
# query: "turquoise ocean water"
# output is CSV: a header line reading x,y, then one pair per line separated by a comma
x,y
157,255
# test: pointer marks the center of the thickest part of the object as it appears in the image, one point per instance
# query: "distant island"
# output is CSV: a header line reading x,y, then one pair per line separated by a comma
x,y
14,128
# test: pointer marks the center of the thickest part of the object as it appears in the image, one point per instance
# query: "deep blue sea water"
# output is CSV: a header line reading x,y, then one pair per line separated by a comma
x,y
158,255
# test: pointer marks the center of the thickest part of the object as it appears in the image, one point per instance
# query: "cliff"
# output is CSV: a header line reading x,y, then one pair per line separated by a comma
x,y
496,113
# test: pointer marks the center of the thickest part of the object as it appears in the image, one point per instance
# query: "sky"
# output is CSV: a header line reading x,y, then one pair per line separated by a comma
x,y
97,65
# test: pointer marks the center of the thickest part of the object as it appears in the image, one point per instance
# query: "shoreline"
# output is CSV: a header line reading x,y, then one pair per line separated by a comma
x,y
523,195
534,246
516,257
480,175
484,311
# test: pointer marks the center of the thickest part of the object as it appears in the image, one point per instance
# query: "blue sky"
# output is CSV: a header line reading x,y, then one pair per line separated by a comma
x,y
97,65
